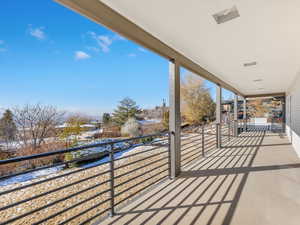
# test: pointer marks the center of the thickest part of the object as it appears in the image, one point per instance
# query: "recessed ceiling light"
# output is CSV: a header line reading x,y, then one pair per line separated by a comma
x,y
226,15
250,64
257,80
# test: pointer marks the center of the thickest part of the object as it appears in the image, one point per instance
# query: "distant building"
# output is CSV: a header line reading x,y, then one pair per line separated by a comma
x,y
85,127
228,108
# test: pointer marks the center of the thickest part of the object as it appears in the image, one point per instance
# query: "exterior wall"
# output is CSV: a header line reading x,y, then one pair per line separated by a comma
x,y
293,115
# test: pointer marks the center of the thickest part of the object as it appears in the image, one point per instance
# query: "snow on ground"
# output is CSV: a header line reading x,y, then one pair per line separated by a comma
x,y
90,134
30,176
89,151
144,171
152,121
106,159
19,144
44,172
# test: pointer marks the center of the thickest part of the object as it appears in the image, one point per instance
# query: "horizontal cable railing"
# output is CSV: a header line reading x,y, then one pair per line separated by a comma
x,y
90,189
197,142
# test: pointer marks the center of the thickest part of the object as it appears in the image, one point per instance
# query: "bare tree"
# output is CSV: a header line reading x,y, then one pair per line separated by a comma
x,y
81,118
197,104
257,108
35,123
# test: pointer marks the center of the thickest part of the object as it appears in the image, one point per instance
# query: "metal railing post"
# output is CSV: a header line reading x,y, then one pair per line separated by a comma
x,y
234,128
169,154
203,147
112,175
218,139
229,131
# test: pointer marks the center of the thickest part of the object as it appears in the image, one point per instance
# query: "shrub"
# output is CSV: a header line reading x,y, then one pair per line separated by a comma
x,y
146,140
5,154
152,128
110,131
131,128
68,157
34,163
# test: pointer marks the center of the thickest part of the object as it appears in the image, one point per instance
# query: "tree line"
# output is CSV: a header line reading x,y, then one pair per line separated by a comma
x,y
30,125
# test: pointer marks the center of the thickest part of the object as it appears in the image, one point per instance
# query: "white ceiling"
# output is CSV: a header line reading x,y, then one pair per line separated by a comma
x,y
266,31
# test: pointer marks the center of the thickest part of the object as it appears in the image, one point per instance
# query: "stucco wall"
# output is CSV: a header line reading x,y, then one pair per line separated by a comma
x,y
293,115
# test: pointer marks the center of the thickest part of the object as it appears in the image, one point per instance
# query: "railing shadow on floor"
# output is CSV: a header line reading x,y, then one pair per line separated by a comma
x,y
268,145
219,172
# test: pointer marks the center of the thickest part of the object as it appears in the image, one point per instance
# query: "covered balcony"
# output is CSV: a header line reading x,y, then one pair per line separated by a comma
x,y
253,179
235,172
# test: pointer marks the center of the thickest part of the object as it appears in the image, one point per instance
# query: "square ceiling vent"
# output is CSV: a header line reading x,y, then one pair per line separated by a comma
x,y
226,15
250,64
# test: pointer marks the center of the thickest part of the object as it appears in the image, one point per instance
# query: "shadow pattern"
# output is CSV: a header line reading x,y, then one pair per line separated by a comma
x,y
208,189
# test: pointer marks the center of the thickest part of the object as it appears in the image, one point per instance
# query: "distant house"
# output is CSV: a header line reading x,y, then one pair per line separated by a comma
x,y
228,106
85,127
110,131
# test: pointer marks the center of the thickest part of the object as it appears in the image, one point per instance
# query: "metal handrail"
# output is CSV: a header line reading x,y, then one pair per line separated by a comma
x,y
111,152
205,138
41,155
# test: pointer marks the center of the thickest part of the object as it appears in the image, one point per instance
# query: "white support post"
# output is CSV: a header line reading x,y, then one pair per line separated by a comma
x,y
235,115
174,120
245,114
218,116
283,114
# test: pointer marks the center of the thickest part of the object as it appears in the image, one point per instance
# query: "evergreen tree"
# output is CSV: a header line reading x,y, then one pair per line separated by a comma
x,y
125,110
8,127
106,118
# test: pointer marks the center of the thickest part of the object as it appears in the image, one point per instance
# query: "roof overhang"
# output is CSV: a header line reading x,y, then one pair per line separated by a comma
x,y
104,15
252,52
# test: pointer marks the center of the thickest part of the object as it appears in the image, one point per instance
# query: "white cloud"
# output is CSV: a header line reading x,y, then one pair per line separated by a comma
x,y
132,55
119,37
2,49
79,55
105,41
94,49
142,49
38,33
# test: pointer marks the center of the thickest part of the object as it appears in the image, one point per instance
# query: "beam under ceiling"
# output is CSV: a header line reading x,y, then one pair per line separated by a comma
x,y
266,95
104,15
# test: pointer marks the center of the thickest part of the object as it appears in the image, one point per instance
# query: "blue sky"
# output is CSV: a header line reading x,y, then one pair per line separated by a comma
x,y
51,55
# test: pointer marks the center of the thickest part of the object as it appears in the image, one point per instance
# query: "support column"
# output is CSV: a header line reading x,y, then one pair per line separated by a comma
x,y
283,114
235,115
174,118
218,115
245,114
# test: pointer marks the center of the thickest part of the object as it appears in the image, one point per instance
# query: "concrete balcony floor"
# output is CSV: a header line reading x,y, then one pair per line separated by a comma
x,y
254,179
